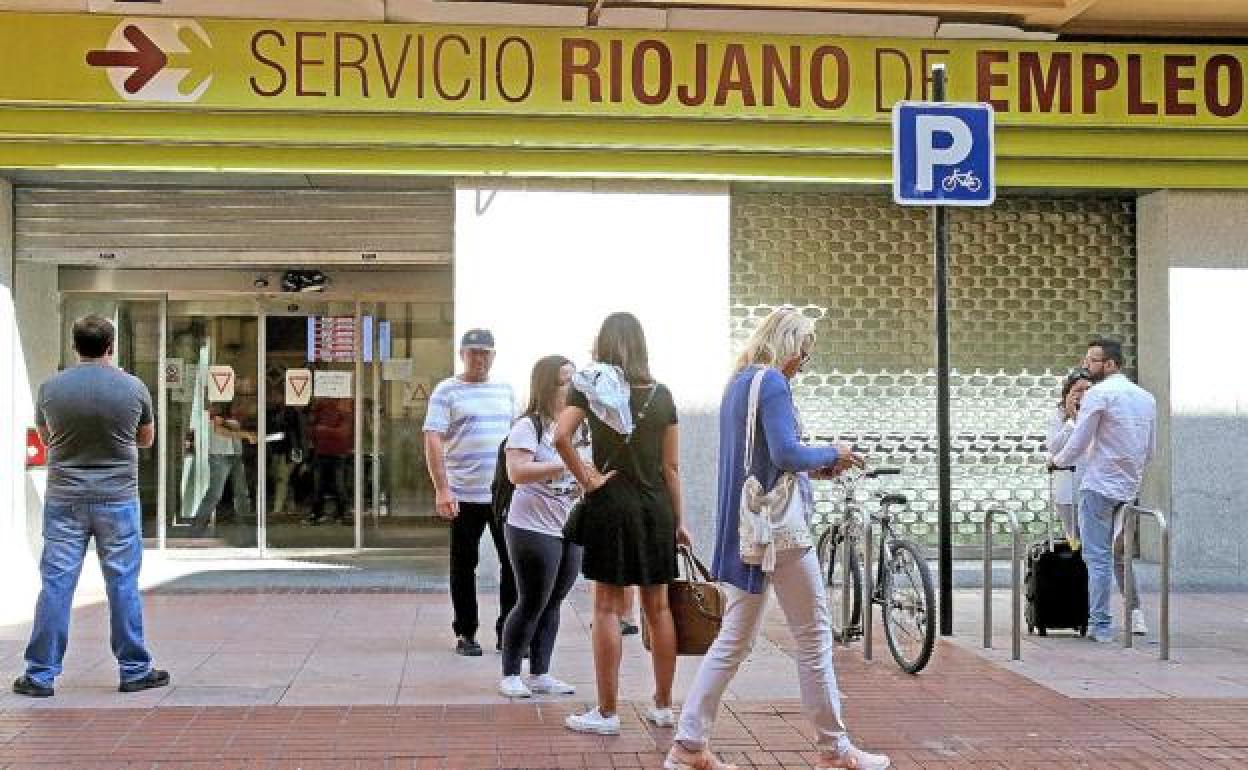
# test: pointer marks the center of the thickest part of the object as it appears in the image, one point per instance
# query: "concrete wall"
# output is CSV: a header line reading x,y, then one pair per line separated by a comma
x,y
1193,283
16,545
542,266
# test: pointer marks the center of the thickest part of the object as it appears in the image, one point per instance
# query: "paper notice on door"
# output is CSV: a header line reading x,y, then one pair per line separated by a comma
x,y
298,387
220,383
332,385
175,372
397,370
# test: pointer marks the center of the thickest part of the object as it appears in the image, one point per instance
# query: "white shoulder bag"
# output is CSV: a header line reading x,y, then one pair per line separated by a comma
x,y
769,521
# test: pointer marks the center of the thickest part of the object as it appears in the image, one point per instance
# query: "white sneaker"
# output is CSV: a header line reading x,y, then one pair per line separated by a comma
x,y
854,758
593,722
1138,626
660,717
548,685
514,687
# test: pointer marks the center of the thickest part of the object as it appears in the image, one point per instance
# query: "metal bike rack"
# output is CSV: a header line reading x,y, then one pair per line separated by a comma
x,y
1132,514
1016,581
868,589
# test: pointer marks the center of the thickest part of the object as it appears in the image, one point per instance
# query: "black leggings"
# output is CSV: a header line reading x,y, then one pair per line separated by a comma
x,y
546,568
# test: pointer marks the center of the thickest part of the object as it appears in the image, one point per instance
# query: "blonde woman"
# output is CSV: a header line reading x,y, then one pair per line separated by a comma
x,y
780,347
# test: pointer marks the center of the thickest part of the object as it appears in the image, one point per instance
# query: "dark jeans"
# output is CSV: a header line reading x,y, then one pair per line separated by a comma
x,y
331,479
466,531
546,568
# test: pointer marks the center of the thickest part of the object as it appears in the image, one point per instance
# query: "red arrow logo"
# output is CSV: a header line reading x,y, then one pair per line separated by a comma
x,y
147,60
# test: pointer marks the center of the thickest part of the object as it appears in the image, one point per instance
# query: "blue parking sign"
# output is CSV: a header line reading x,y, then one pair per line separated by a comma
x,y
943,154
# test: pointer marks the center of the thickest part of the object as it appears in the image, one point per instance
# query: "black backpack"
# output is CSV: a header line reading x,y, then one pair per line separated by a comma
x,y
501,488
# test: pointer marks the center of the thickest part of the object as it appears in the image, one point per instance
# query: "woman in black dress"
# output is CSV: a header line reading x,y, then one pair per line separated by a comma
x,y
631,532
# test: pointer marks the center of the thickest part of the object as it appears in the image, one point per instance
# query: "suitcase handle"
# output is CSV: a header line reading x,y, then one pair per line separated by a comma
x,y
1053,502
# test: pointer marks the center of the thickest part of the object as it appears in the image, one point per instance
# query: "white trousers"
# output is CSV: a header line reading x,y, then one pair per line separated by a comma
x,y
799,588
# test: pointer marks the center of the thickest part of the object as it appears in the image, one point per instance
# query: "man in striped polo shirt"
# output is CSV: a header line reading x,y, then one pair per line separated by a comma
x,y
468,418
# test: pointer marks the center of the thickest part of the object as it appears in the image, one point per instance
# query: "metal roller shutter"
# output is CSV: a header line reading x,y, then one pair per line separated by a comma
x,y
146,227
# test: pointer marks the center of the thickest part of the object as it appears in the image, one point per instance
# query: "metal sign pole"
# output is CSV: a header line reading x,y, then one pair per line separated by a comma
x,y
940,238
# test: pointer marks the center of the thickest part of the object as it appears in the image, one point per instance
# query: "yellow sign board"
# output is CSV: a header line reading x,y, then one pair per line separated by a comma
x,y
342,67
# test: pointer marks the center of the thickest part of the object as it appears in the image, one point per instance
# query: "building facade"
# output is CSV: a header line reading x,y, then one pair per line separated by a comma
x,y
515,168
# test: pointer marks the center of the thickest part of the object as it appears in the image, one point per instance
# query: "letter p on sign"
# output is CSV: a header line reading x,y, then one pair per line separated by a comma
x,y
943,154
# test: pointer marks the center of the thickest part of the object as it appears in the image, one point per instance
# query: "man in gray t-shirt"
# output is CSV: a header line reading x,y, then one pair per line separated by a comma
x,y
94,418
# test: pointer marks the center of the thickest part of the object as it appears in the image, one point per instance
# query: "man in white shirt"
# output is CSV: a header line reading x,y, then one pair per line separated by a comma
x,y
1114,439
469,416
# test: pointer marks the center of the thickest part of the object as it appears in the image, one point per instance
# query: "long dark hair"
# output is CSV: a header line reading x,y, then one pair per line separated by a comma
x,y
1074,376
543,385
622,342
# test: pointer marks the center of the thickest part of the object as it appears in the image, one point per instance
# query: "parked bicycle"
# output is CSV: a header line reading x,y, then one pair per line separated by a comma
x,y
903,583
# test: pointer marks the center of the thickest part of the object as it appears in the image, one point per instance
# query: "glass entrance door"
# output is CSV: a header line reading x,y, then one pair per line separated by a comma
x,y
410,352
136,349
211,423
313,352
283,423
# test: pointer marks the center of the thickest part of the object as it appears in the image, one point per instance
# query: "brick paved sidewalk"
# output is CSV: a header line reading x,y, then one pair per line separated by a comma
x,y
963,712
339,679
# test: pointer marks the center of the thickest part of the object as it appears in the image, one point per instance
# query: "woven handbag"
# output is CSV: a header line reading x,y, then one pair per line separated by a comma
x,y
769,522
697,604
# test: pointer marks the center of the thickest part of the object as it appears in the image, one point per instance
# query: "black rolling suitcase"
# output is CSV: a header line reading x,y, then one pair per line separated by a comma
x,y
1056,584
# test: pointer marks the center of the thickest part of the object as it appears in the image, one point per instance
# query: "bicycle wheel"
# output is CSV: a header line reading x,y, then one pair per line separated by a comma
x,y
909,607
830,548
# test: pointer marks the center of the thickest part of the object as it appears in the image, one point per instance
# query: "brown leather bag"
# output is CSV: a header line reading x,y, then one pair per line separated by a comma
x,y
697,604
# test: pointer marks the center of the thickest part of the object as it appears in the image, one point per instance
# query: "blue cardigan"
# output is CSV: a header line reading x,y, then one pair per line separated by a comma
x,y
777,448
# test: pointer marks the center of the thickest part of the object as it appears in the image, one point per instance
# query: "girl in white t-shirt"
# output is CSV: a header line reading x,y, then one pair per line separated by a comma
x,y
1065,486
545,565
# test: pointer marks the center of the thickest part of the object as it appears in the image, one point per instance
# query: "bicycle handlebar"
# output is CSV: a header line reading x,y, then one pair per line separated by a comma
x,y
873,474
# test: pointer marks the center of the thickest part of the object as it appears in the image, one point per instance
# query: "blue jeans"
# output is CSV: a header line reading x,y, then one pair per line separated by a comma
x,y
222,468
1096,528
67,527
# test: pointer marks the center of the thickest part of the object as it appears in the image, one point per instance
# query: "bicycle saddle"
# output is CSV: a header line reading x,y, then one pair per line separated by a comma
x,y
893,499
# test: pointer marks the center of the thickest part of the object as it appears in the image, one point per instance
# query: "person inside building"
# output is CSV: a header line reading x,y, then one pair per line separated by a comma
x,y
225,465
469,415
333,438
546,564
287,447
1061,425
774,354
631,522
1113,440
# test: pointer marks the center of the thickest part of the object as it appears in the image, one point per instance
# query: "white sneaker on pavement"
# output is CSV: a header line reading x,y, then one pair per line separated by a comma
x,y
854,758
548,685
659,717
1138,626
514,687
594,722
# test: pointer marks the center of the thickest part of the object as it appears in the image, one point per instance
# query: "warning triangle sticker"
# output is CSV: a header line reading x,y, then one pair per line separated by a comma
x,y
222,380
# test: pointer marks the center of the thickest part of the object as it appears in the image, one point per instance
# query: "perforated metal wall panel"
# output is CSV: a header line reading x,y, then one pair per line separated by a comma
x,y
1031,281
